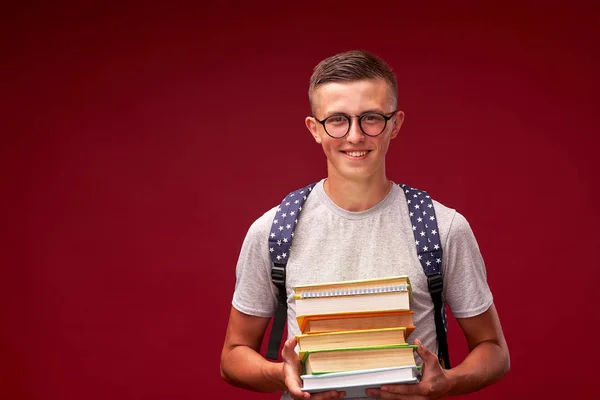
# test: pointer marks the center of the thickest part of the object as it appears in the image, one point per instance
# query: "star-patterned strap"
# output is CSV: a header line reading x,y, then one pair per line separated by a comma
x,y
280,243
427,242
282,229
429,251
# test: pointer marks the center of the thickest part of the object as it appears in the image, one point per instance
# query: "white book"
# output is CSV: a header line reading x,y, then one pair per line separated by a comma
x,y
393,300
392,293
354,383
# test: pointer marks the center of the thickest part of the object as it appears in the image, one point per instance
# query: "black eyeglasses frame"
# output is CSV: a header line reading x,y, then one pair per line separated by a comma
x,y
360,117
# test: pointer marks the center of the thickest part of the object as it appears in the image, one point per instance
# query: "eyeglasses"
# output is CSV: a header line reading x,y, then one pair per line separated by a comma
x,y
371,124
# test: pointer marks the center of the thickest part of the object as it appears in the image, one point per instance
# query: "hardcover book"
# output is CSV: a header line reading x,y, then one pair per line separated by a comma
x,y
355,321
354,383
356,358
355,338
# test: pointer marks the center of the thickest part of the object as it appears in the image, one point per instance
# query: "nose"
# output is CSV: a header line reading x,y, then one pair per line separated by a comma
x,y
355,134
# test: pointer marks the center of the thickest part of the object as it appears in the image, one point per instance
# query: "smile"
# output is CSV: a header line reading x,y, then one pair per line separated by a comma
x,y
356,153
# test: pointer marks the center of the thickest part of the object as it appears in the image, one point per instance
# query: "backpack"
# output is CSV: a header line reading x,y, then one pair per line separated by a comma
x,y
428,247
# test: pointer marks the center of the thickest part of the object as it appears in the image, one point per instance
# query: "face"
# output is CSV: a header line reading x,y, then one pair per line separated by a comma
x,y
356,156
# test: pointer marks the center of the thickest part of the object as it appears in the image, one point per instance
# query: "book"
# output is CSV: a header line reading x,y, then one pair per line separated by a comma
x,y
354,383
356,358
351,287
354,321
397,300
355,338
381,294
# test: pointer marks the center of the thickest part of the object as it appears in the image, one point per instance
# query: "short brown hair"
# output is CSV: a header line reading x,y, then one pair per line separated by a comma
x,y
350,66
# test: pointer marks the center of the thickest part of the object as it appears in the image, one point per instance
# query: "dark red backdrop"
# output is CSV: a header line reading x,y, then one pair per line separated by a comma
x,y
139,143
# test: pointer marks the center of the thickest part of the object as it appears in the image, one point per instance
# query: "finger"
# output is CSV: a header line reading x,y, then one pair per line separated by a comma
x,y
377,393
402,389
299,395
329,395
288,352
292,369
427,356
294,386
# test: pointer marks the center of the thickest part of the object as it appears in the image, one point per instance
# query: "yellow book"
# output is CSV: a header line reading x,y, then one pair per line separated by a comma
x,y
356,338
358,358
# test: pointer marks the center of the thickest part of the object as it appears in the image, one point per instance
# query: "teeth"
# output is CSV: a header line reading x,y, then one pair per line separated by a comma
x,y
356,153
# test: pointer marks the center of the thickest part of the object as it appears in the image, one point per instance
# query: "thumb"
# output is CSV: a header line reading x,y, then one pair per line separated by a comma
x,y
288,350
427,356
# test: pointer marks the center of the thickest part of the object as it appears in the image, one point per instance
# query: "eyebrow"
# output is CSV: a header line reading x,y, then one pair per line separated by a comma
x,y
375,110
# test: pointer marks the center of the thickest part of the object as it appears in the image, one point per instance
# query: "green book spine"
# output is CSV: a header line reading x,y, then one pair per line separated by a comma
x,y
393,346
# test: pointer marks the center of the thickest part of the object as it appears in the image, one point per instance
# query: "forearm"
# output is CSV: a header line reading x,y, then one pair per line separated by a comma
x,y
487,363
245,368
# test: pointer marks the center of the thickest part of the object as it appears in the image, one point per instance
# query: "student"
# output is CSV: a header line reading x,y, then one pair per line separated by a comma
x,y
355,225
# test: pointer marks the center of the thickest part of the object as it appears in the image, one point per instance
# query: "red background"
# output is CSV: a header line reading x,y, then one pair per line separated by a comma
x,y
140,142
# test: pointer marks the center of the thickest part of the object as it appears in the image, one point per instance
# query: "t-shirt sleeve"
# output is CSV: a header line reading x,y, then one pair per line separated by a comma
x,y
254,293
466,290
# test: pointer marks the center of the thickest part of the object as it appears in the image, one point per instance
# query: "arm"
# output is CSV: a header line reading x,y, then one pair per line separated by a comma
x,y
487,362
244,367
241,363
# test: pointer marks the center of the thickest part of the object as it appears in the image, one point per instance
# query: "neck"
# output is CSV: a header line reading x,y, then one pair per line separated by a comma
x,y
357,195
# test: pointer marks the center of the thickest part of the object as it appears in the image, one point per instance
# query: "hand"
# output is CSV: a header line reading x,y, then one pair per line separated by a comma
x,y
434,383
292,369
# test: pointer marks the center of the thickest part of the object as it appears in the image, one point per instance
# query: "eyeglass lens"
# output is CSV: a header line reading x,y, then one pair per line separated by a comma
x,y
371,124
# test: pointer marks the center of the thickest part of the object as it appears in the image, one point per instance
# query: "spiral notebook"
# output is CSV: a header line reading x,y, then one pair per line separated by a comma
x,y
354,287
367,295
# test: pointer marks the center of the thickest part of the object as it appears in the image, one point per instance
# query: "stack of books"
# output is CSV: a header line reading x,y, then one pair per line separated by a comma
x,y
354,335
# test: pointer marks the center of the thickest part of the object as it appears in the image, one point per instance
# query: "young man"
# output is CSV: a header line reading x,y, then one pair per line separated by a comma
x,y
355,225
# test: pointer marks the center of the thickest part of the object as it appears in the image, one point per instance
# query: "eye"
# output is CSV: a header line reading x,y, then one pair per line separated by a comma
x,y
336,119
372,118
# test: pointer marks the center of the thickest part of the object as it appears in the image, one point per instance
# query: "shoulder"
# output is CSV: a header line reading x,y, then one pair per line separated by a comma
x,y
451,221
444,213
262,225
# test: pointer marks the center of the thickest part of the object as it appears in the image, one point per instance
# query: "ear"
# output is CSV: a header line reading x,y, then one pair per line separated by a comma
x,y
398,121
311,124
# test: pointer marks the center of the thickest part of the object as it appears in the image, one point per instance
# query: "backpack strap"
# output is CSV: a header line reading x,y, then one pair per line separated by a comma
x,y
428,246
429,251
280,243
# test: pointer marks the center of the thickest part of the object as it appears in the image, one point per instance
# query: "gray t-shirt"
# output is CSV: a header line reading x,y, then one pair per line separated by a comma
x,y
332,244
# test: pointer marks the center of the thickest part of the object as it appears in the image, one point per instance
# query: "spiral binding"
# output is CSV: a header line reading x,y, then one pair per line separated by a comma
x,y
307,294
